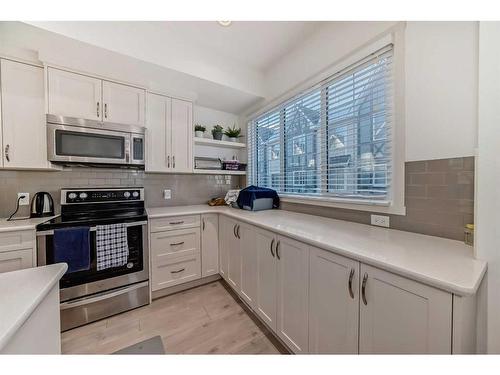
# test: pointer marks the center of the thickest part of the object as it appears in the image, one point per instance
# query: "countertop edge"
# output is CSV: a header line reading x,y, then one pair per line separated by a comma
x,y
461,290
4,340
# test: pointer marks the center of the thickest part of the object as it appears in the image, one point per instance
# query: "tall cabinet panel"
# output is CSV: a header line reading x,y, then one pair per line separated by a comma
x,y
74,95
398,315
158,126
23,115
209,244
182,136
248,251
122,104
293,293
333,303
233,256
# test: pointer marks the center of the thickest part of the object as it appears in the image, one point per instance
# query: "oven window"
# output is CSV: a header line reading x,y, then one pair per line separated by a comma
x,y
89,145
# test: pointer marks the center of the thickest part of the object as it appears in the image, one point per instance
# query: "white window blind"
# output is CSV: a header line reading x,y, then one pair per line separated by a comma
x,y
333,140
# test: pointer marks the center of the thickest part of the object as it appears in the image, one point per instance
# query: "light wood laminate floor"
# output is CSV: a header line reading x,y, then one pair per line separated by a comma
x,y
202,320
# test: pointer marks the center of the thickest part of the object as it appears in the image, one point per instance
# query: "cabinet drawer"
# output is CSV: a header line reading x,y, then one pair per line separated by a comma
x,y
16,260
181,270
175,243
23,239
175,222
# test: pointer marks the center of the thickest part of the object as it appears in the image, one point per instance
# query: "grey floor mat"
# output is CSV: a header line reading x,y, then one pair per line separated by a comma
x,y
153,345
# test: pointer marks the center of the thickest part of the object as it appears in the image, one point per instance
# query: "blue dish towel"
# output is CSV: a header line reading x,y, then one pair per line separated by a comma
x,y
251,193
71,246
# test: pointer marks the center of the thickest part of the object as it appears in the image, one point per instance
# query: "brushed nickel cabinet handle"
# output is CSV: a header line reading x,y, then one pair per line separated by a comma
x,y
351,276
238,231
105,110
177,243
363,289
168,161
98,112
173,161
234,230
202,224
7,156
178,271
272,244
278,250
176,222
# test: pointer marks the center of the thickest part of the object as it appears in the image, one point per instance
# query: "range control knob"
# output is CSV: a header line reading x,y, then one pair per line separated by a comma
x,y
72,195
126,194
83,195
135,194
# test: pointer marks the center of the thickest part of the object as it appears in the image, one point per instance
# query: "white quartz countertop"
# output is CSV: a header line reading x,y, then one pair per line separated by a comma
x,y
24,224
21,292
439,262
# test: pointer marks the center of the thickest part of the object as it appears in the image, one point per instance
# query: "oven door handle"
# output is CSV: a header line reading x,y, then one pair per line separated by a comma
x,y
92,229
101,296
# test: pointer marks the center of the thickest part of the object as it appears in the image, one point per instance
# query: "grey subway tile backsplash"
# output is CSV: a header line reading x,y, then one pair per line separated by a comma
x,y
186,188
439,199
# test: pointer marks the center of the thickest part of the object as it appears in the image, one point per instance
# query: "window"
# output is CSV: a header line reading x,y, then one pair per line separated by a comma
x,y
334,140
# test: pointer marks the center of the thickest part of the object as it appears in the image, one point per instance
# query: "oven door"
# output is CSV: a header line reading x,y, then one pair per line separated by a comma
x,y
75,144
83,283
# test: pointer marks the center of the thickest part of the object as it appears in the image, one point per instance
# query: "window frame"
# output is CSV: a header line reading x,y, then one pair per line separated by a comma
x,y
394,204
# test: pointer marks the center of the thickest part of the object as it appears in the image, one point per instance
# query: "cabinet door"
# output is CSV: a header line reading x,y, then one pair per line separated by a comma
x,y
248,252
23,115
209,244
399,315
233,257
265,302
74,95
225,228
333,303
182,136
293,297
158,124
122,104
16,260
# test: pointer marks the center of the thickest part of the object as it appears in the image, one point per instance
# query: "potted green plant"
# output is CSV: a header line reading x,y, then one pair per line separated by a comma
x,y
199,130
217,132
233,133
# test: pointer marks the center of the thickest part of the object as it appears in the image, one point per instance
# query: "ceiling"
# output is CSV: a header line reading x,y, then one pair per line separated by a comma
x,y
234,58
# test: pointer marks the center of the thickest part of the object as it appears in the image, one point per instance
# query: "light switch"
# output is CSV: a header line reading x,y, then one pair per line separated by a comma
x,y
167,194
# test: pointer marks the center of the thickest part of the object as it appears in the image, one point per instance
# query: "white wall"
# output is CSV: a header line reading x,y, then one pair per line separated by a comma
x,y
487,242
440,84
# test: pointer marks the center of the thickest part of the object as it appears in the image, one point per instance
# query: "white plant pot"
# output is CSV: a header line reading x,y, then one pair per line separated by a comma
x,y
232,139
199,134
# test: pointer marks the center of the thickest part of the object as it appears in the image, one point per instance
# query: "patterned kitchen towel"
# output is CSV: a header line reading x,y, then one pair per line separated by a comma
x,y
112,246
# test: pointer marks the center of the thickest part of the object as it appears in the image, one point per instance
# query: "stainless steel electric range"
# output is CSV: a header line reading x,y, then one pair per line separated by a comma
x,y
92,294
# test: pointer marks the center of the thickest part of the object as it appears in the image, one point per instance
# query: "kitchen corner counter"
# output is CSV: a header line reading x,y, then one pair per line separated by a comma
x,y
24,224
21,292
439,262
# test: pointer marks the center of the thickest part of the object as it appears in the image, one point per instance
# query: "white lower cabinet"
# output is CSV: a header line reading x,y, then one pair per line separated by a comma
x,y
248,252
233,256
333,303
398,315
16,260
293,293
209,244
225,225
265,303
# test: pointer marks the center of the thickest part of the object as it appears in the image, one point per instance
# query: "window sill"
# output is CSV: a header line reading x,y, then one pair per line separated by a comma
x,y
348,204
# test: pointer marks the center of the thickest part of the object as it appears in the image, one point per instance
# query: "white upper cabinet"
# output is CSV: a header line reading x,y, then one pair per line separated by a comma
x,y
158,135
398,315
333,303
209,244
23,116
293,293
74,95
182,136
122,104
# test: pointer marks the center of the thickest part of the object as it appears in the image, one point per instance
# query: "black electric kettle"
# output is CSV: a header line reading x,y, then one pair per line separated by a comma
x,y
42,205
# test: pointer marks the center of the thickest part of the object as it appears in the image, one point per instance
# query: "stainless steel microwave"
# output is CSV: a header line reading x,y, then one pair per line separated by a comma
x,y
79,141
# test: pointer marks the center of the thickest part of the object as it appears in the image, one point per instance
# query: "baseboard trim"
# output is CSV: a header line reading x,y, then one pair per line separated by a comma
x,y
185,286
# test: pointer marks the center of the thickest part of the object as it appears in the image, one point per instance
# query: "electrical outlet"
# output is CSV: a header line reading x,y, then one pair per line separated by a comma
x,y
380,220
167,194
24,201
